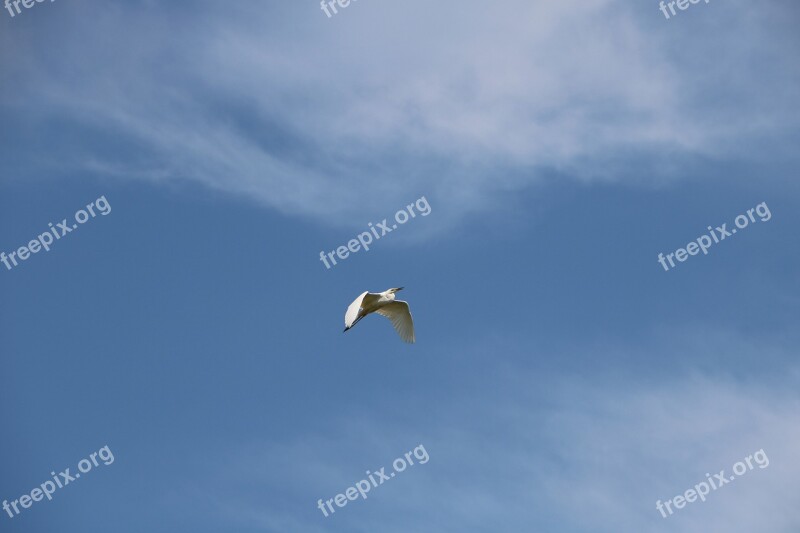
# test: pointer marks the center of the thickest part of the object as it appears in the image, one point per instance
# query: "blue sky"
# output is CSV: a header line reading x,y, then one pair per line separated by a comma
x,y
561,379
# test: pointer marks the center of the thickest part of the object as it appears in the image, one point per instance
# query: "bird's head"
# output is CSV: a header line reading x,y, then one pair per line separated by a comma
x,y
396,289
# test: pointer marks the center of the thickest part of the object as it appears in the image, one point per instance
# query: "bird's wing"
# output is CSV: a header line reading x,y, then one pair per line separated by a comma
x,y
352,310
399,314
365,299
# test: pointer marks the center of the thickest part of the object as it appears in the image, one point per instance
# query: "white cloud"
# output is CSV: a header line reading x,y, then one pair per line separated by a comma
x,y
540,451
391,100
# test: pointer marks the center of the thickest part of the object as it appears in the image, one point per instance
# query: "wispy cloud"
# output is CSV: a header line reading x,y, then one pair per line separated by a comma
x,y
552,451
316,117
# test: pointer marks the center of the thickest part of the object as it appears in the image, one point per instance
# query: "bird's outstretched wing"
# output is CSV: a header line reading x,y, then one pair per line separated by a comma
x,y
352,310
400,316
365,299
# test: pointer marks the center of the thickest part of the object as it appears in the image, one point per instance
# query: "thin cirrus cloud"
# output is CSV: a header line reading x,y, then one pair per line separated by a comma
x,y
609,454
313,116
554,450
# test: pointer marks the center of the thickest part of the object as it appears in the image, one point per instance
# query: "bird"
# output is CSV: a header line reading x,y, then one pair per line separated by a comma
x,y
385,304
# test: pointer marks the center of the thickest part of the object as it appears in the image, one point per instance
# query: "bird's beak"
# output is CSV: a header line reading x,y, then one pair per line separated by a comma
x,y
400,288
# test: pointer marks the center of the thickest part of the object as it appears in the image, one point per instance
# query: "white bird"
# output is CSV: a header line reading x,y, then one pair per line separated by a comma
x,y
384,304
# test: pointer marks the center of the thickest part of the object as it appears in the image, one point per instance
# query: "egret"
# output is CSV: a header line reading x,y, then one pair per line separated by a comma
x,y
384,304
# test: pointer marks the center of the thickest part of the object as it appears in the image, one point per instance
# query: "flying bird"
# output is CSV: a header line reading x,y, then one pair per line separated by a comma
x,y
384,304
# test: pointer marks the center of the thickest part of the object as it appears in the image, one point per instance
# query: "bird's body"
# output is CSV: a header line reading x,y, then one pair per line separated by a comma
x,y
385,304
